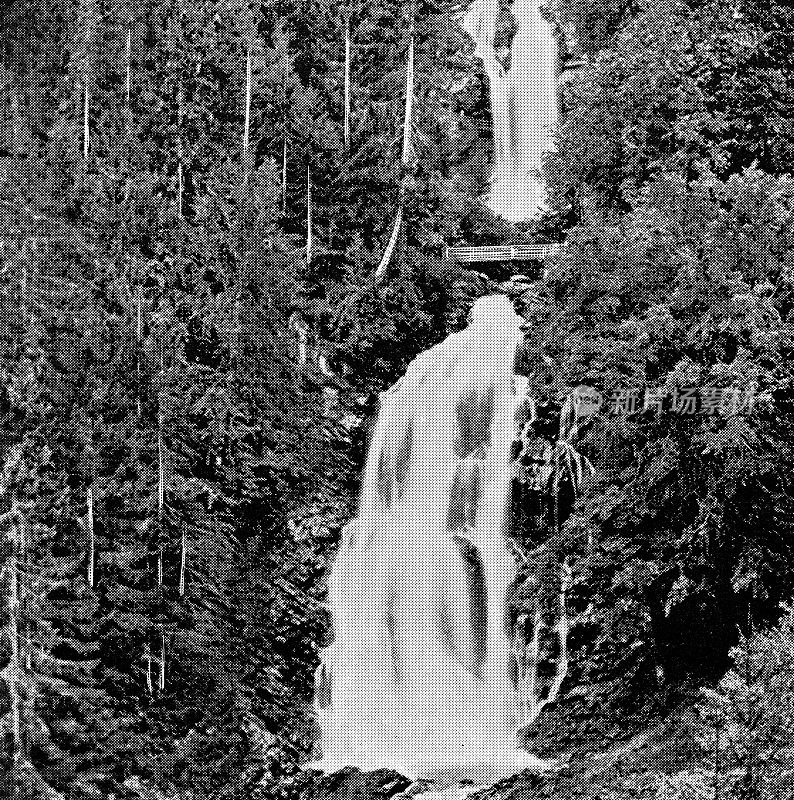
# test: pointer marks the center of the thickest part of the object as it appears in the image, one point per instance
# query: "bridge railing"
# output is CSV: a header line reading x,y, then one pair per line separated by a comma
x,y
514,252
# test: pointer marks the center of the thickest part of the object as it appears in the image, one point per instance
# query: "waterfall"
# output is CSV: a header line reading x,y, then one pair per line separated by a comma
x,y
418,675
523,103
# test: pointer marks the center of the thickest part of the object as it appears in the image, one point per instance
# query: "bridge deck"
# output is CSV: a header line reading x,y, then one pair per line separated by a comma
x,y
514,252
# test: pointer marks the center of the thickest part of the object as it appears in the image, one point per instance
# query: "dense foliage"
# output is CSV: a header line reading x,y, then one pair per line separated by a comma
x,y
183,363
746,720
673,299
194,342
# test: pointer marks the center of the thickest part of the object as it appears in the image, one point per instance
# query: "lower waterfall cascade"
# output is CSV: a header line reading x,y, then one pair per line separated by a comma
x,y
418,676
524,103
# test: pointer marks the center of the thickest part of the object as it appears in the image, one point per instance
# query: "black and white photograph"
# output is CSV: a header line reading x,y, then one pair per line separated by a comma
x,y
396,400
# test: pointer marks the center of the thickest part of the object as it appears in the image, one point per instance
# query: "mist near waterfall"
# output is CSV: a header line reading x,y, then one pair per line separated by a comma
x,y
524,104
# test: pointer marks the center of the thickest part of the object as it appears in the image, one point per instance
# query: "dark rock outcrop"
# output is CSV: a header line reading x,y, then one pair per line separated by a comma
x,y
346,784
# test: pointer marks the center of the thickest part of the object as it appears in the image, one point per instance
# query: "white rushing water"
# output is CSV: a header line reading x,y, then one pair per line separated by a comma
x,y
417,678
523,104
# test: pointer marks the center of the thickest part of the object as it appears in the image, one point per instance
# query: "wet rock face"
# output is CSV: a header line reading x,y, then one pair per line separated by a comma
x,y
348,784
506,27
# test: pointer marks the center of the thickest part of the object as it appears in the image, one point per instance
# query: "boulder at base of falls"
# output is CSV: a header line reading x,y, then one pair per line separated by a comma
x,y
346,784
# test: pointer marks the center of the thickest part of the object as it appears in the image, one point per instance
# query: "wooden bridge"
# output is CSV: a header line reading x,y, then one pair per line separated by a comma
x,y
502,253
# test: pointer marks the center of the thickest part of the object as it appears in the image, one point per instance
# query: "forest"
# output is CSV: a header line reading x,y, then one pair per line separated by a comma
x,y
223,237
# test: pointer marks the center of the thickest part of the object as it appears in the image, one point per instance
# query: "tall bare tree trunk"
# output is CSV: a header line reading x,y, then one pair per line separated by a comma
x,y
285,79
407,157
128,81
86,126
160,495
147,657
392,244
91,539
138,342
179,185
407,153
284,177
179,167
348,57
161,682
160,468
83,44
247,111
183,563
309,238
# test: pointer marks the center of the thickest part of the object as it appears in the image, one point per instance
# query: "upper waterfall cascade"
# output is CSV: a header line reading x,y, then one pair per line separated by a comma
x,y
524,104
418,676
